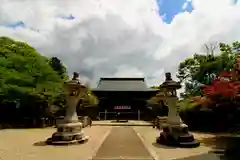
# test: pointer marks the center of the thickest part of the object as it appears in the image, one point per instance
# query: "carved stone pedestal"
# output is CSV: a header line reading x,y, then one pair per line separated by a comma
x,y
175,132
177,135
68,133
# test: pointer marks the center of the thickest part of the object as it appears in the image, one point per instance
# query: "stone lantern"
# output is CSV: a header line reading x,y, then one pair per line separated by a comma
x,y
160,95
175,132
70,130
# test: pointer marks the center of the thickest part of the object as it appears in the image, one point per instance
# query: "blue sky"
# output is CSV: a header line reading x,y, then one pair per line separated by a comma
x,y
168,9
21,23
69,17
16,24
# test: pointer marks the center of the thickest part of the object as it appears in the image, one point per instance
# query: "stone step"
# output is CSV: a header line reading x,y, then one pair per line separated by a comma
x,y
192,144
127,123
120,124
186,138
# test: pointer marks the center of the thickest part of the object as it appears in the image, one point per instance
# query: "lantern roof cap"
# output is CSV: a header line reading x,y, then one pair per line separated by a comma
x,y
169,83
74,81
160,94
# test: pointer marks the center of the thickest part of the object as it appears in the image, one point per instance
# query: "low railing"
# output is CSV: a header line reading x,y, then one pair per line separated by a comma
x,y
85,120
48,122
159,121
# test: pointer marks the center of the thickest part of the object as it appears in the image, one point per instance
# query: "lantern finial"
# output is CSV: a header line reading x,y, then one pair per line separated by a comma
x,y
75,76
168,76
169,82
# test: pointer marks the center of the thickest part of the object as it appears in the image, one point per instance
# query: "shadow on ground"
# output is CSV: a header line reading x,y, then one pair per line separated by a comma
x,y
204,156
119,121
44,143
226,147
40,143
223,148
162,146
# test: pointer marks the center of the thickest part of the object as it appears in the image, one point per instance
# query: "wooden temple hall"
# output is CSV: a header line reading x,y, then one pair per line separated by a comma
x,y
123,98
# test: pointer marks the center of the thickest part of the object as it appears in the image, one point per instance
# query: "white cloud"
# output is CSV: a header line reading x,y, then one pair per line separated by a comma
x,y
128,71
185,5
119,37
213,5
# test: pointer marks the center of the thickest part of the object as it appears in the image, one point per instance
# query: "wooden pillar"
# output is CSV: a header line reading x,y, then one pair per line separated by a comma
x,y
105,115
139,114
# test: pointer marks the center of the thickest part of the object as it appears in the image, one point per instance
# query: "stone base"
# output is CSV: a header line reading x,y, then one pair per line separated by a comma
x,y
50,141
121,121
177,136
68,133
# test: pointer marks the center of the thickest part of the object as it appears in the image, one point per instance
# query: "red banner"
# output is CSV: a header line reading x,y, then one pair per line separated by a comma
x,y
122,107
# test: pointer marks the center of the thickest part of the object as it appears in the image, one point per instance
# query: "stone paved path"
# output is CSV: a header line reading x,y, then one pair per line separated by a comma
x,y
123,143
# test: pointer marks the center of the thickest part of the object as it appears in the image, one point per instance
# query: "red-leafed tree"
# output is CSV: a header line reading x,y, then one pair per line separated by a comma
x,y
223,90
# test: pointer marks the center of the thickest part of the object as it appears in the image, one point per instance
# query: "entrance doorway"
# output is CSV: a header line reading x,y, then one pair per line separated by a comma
x,y
122,115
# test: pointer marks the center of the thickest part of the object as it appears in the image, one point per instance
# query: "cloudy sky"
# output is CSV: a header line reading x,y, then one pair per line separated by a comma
x,y
120,38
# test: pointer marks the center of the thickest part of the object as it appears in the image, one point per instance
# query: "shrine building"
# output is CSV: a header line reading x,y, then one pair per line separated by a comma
x,y
124,96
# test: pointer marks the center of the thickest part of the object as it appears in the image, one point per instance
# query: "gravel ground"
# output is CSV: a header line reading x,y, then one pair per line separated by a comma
x,y
149,134
27,144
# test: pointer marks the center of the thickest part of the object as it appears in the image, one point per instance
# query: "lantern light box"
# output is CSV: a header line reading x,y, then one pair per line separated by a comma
x,y
122,107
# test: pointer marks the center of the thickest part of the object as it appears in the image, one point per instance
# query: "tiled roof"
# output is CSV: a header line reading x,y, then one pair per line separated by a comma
x,y
122,84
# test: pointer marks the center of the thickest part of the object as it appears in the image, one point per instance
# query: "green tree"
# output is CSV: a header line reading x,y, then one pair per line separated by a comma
x,y
203,68
154,87
57,65
26,77
90,98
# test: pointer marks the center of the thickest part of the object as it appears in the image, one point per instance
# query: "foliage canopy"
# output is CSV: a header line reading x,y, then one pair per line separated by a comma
x,y
204,68
26,77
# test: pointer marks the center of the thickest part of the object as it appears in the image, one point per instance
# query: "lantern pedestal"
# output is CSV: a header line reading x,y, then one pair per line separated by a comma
x,y
175,132
177,135
70,131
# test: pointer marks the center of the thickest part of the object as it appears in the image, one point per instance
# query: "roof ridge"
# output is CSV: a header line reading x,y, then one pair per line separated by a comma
x,y
122,78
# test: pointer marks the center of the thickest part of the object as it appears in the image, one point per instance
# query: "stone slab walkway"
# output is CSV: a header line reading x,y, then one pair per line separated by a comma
x,y
123,143
114,123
